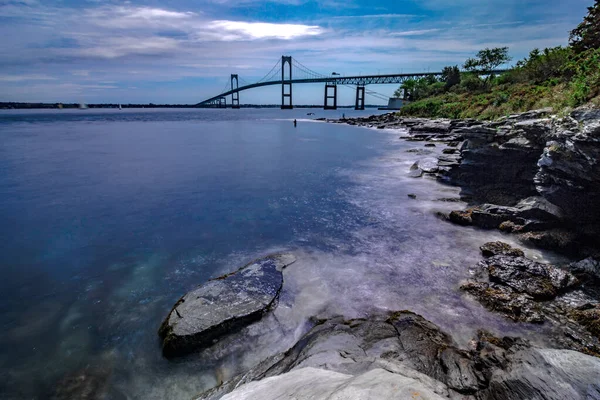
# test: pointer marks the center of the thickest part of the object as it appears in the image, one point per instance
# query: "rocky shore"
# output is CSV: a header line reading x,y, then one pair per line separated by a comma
x,y
534,175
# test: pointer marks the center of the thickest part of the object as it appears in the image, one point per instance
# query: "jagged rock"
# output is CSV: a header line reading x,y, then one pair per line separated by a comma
x,y
553,239
589,266
383,356
545,374
427,165
432,127
541,281
500,248
450,151
530,214
223,305
420,152
539,208
517,284
533,114
502,299
588,316
461,217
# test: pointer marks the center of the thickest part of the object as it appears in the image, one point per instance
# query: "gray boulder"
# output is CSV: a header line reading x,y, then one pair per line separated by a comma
x,y
546,374
223,305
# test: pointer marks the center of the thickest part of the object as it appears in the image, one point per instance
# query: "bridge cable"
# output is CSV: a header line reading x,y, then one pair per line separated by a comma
x,y
276,68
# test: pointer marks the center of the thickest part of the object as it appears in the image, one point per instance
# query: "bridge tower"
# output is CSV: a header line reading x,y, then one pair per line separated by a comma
x,y
330,85
235,96
286,84
360,98
222,102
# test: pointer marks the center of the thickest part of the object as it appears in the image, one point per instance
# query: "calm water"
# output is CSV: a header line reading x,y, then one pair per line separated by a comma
x,y
108,217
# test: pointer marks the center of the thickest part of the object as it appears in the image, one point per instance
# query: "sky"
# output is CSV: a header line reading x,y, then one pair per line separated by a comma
x,y
182,52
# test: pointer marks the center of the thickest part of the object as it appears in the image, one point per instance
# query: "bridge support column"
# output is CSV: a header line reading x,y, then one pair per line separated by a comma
x,y
328,96
222,102
235,96
360,98
286,84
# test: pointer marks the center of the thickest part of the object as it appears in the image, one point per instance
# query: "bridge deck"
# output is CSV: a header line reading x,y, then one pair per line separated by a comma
x,y
344,80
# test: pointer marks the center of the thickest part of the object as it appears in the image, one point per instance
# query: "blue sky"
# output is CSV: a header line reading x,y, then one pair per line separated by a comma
x,y
183,51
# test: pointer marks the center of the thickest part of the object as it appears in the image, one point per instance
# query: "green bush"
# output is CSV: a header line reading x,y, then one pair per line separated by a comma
x,y
471,83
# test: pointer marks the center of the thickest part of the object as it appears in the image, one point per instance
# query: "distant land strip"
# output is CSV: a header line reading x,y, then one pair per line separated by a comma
x,y
17,105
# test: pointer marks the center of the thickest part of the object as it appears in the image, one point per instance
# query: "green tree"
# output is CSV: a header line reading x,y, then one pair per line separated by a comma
x,y
407,87
587,34
451,76
487,60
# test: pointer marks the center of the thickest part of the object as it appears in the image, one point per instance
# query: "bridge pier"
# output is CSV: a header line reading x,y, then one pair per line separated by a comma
x,y
328,96
286,84
222,102
360,98
235,96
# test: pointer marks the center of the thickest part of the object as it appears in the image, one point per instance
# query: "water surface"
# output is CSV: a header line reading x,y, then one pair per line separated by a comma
x,y
108,217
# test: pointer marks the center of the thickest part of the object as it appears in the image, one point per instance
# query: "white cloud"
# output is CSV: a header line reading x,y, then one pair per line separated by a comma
x,y
122,17
414,33
25,78
263,30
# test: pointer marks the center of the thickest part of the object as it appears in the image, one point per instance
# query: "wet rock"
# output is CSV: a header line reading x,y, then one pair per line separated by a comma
x,y
500,248
560,240
412,196
539,208
588,316
542,281
427,165
420,152
589,266
223,305
461,217
429,144
504,300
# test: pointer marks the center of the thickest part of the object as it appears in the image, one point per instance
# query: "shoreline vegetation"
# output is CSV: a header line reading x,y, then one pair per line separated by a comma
x,y
562,78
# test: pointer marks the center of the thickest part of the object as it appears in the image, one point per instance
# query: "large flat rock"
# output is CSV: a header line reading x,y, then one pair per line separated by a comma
x,y
320,384
223,305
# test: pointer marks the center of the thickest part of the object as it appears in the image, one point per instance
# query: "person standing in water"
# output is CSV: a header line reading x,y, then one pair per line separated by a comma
x,y
295,123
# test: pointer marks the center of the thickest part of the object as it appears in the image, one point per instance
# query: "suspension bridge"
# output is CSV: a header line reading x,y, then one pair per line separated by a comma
x,y
289,71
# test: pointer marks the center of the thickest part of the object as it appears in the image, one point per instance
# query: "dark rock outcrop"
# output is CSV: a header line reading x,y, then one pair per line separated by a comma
x,y
500,248
528,291
223,305
527,172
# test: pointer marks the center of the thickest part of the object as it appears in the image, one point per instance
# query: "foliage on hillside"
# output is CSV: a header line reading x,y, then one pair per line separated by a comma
x,y
559,77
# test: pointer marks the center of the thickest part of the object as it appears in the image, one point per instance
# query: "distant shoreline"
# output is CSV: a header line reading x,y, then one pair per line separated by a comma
x,y
57,106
